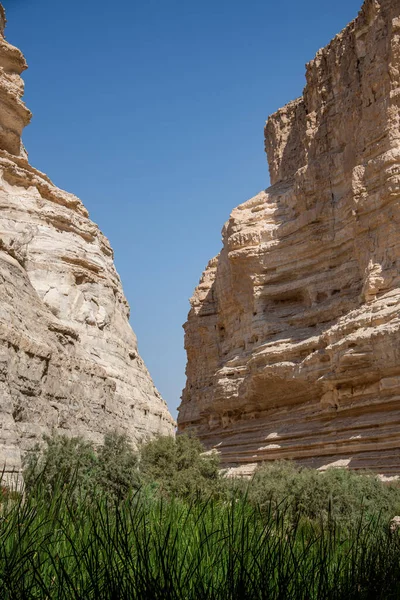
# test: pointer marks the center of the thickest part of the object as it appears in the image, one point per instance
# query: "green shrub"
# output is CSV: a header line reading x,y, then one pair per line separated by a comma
x,y
338,494
178,467
62,461
117,470
167,466
76,463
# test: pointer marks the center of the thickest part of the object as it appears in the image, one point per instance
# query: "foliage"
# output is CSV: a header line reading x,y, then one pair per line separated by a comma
x,y
179,531
336,494
179,467
61,461
169,466
75,463
117,466
160,549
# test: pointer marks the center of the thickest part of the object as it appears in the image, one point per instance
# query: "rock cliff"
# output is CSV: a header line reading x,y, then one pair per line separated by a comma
x,y
68,356
293,338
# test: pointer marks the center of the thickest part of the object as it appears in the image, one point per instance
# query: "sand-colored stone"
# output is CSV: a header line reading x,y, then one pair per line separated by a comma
x,y
293,338
68,356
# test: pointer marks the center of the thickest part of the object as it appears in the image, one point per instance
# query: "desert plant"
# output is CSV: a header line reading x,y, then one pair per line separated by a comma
x,y
76,463
167,549
337,494
117,470
61,461
179,467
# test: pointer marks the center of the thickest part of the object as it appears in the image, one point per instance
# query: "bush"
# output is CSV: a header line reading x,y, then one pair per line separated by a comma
x,y
173,467
178,467
75,463
117,470
338,494
61,462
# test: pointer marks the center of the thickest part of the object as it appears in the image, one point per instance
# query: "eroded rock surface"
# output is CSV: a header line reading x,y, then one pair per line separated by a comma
x,y
68,356
293,338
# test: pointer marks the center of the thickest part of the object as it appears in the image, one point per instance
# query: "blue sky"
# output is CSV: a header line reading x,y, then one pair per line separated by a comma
x,y
152,113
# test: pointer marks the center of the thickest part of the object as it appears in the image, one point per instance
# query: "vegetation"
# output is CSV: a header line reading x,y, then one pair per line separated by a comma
x,y
337,494
171,467
74,463
178,468
163,524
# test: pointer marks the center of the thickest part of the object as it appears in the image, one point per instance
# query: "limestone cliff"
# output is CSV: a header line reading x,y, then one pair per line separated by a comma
x,y
293,338
68,356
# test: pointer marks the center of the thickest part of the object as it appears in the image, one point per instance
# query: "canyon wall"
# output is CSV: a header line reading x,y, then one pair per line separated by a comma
x,y
293,337
68,356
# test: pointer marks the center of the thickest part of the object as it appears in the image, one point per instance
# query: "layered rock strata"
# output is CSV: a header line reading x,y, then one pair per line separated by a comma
x,y
68,356
293,338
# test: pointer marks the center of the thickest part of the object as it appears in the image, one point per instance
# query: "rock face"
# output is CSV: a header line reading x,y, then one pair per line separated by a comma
x,y
68,356
293,338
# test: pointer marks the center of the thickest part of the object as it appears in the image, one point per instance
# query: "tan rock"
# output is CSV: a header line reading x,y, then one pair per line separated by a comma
x,y
68,356
294,331
395,524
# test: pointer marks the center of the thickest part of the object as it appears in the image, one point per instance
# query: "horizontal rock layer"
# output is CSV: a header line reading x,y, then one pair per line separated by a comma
x,y
293,338
68,356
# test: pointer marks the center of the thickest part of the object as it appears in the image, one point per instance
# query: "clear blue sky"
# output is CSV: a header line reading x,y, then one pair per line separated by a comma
x,y
152,112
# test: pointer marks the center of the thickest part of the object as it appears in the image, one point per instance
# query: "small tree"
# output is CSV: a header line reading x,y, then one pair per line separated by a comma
x,y
117,469
62,462
179,467
74,462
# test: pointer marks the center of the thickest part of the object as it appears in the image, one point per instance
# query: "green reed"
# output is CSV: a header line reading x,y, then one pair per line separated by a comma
x,y
71,546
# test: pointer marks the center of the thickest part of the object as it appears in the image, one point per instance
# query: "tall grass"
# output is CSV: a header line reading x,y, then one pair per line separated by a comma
x,y
87,547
